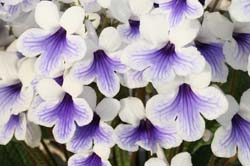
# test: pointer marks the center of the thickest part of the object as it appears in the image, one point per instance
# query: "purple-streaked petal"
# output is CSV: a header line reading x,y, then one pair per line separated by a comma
x,y
186,107
63,115
103,68
213,53
13,99
178,10
55,48
15,125
95,132
13,12
146,135
87,160
237,51
130,31
162,64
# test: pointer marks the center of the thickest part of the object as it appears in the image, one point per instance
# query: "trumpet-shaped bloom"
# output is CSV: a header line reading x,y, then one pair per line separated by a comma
x,y
101,66
97,157
233,135
186,104
55,42
16,91
97,132
168,57
239,10
141,131
177,10
61,107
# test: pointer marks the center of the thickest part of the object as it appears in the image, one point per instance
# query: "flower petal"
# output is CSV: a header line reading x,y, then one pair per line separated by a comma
x,y
155,162
132,110
33,135
181,158
108,109
110,39
47,15
244,105
69,24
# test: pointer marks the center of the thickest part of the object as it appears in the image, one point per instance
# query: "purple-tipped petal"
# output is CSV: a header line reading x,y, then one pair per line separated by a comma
x,y
95,132
146,135
63,115
130,31
103,68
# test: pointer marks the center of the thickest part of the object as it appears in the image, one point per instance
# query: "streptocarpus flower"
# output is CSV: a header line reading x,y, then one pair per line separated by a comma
x,y
168,56
234,135
179,10
55,41
62,107
97,132
180,159
141,131
97,157
129,12
240,10
185,104
16,91
22,129
101,66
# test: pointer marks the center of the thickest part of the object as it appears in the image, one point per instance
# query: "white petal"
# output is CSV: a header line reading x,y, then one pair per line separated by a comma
x,y
108,109
72,19
132,110
200,80
224,31
33,135
48,89
47,15
181,158
102,151
8,65
166,87
71,86
221,146
140,7
233,108
26,71
89,95
110,39
21,129
237,11
120,10
155,162
104,3
179,35
245,105
154,28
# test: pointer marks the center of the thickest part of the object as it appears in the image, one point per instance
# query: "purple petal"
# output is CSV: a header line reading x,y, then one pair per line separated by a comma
x,y
64,115
146,135
103,68
85,136
93,159
213,53
186,107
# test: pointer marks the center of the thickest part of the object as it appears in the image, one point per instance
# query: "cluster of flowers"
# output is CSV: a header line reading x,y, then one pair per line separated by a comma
x,y
177,45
